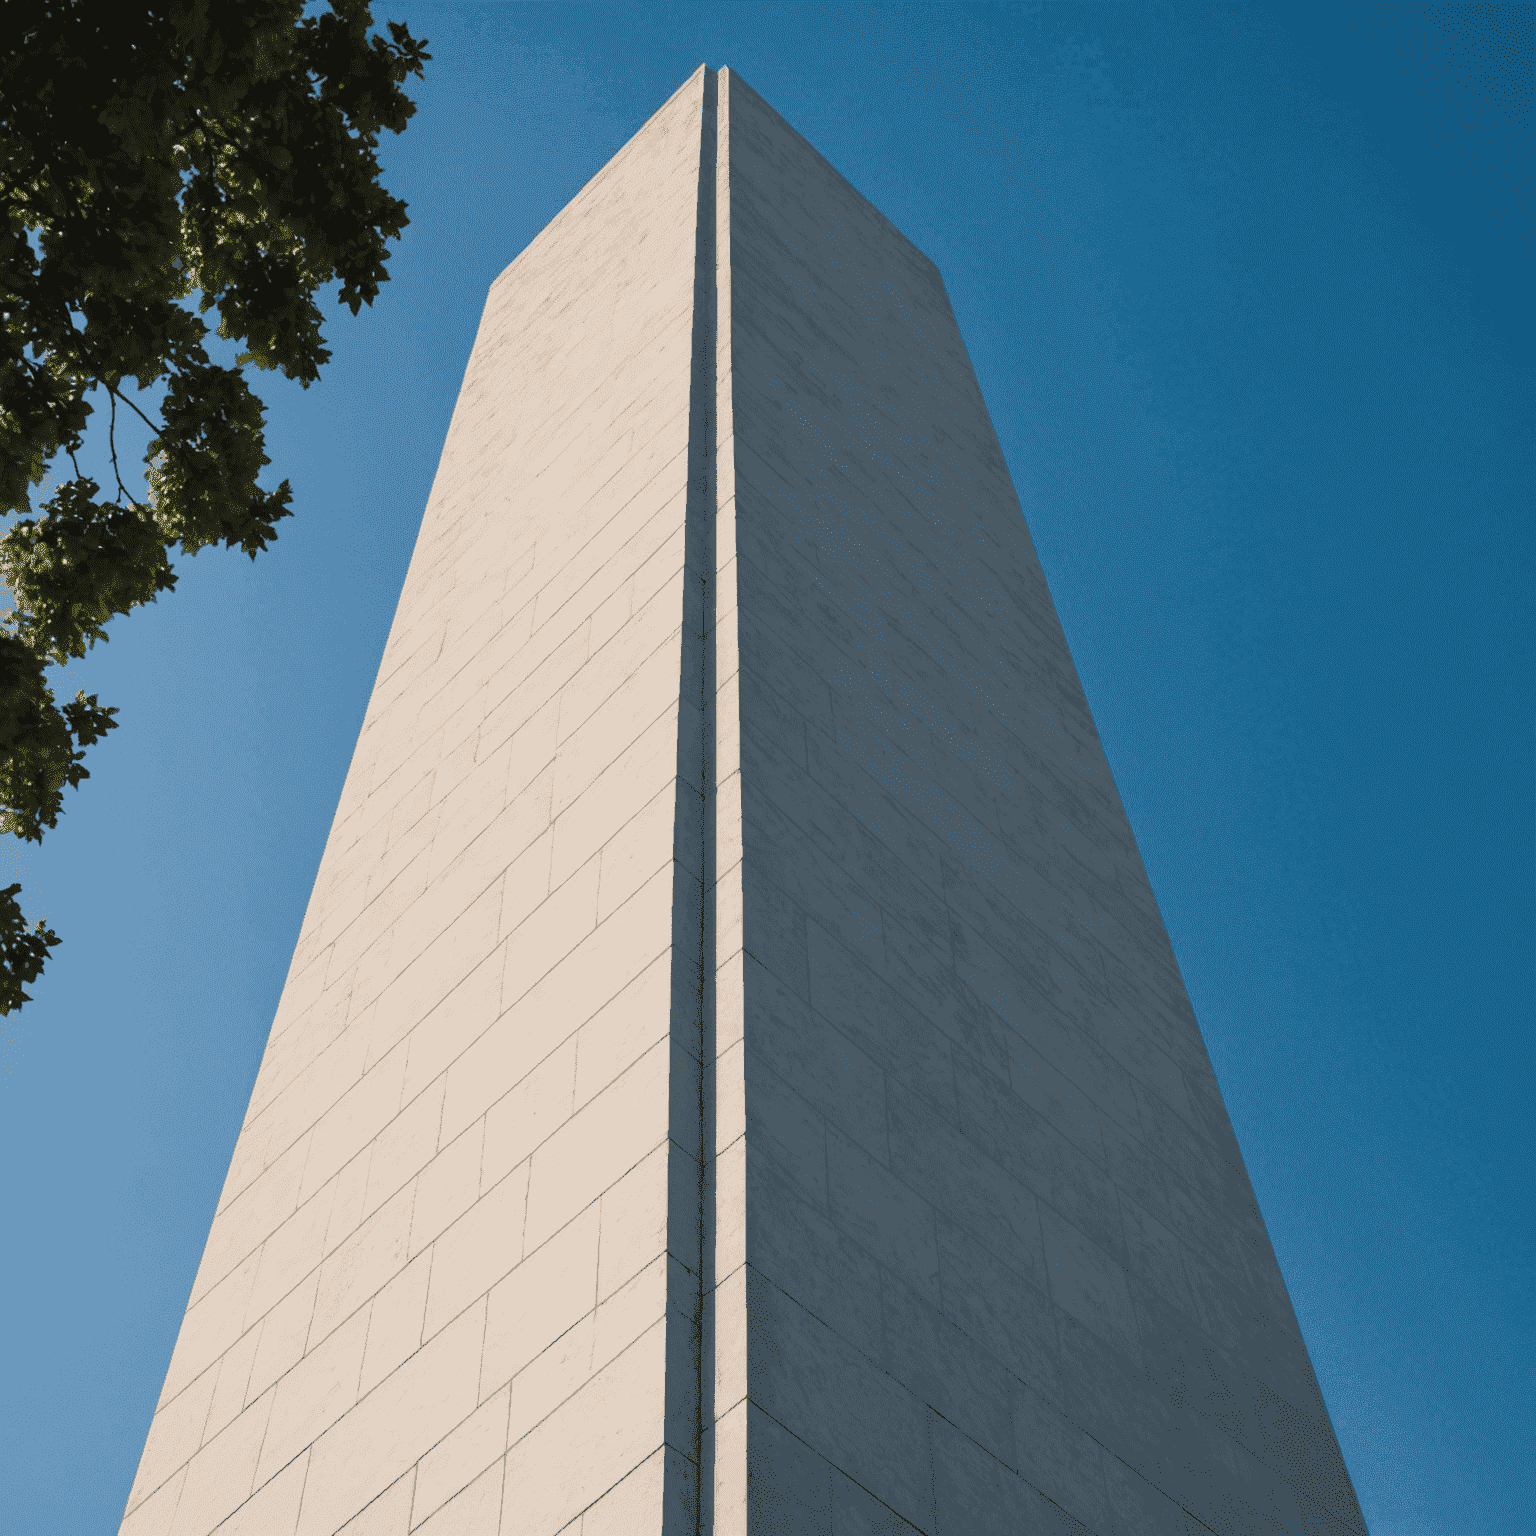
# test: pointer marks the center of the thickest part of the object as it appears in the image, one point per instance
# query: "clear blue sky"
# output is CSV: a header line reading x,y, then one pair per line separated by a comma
x,y
1248,293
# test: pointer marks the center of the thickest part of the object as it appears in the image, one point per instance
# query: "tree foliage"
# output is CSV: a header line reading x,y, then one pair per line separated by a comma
x,y
160,164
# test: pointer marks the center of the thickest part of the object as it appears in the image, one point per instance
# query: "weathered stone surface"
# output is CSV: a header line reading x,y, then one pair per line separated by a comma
x,y
733,1075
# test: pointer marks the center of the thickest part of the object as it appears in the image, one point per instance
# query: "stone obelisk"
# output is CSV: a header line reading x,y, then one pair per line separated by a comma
x,y
733,1077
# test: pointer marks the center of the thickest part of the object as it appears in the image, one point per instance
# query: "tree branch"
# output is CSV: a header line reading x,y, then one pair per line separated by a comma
x,y
122,490
132,407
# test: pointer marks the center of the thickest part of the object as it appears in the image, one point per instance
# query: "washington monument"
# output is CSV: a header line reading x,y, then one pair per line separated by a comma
x,y
733,1077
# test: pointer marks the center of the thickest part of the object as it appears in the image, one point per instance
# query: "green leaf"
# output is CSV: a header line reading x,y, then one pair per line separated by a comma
x,y
23,951
82,563
152,155
41,745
